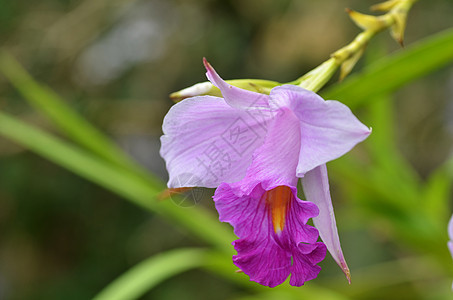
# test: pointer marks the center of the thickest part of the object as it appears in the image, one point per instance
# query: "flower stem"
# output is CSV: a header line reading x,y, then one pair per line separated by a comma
x,y
346,57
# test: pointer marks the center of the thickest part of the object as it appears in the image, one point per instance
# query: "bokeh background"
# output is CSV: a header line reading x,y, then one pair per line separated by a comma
x,y
116,62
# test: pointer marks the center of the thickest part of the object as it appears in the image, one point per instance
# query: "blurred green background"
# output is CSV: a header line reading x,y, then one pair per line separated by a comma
x,y
115,62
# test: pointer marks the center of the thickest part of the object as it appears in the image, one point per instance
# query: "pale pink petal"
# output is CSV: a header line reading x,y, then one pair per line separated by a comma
x,y
235,96
268,218
328,128
207,142
316,189
275,162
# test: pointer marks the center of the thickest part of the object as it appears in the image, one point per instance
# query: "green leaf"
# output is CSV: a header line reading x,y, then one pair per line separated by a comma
x,y
392,72
391,170
65,118
437,191
306,292
197,220
147,274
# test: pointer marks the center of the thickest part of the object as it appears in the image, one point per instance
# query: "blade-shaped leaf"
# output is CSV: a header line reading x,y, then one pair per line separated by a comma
x,y
65,118
199,221
147,274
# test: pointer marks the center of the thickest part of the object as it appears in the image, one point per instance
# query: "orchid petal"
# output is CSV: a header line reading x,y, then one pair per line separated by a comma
x,y
264,253
328,128
306,256
275,162
316,189
207,142
235,96
266,214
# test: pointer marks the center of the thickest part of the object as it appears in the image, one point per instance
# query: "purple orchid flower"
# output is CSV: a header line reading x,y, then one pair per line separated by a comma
x,y
254,148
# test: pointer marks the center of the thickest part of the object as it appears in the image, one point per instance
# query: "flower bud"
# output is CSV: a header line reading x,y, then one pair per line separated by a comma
x,y
198,89
206,88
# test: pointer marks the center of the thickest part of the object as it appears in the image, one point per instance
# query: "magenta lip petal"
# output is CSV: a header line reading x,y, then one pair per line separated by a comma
x,y
308,255
266,256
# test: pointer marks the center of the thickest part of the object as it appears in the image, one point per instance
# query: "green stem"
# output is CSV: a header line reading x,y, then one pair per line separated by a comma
x,y
318,77
395,18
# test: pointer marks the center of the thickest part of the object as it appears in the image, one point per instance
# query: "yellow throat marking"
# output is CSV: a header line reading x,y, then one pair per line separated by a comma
x,y
278,201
